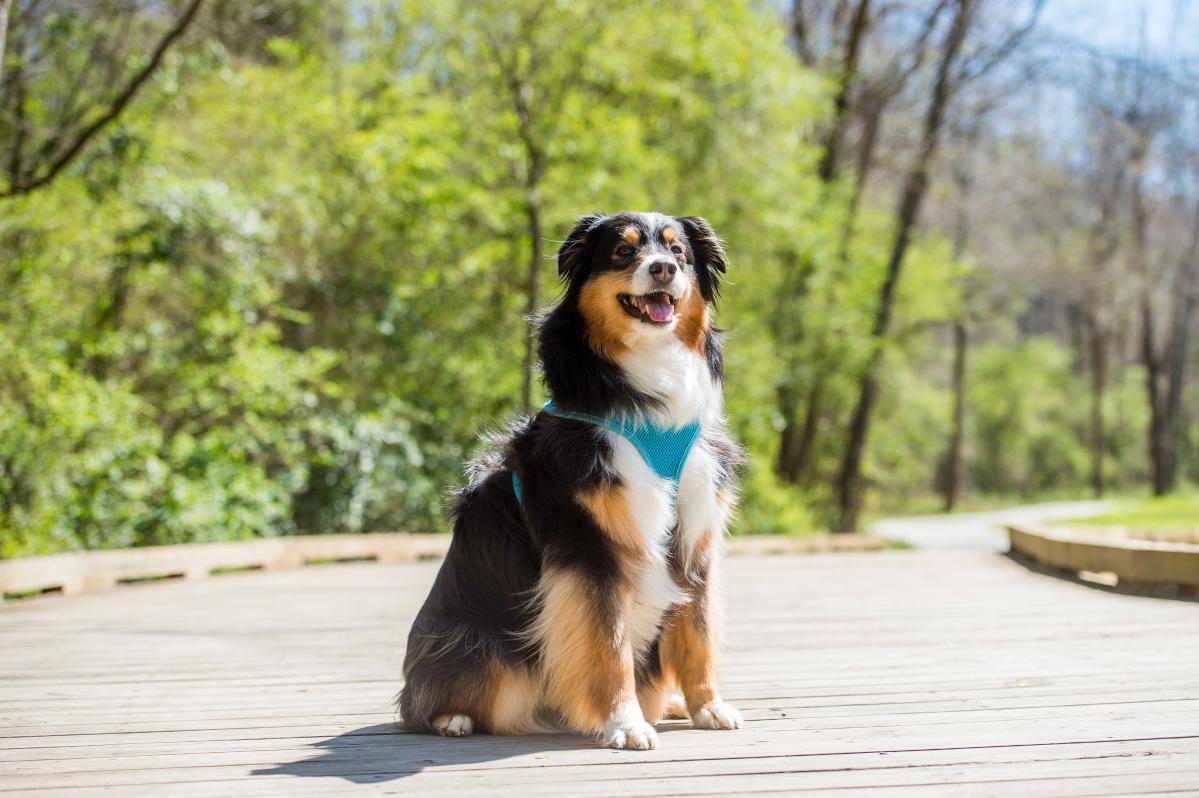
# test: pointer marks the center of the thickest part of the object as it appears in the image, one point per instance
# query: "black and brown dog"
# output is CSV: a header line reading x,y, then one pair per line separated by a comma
x,y
580,589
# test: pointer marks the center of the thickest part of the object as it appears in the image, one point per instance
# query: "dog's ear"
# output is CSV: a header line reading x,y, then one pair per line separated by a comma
x,y
710,260
570,254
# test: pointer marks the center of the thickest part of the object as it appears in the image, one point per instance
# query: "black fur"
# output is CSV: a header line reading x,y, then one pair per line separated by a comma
x,y
479,607
709,258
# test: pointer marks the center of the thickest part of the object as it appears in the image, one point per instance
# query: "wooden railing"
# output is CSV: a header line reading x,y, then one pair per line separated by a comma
x,y
1111,559
95,571
91,571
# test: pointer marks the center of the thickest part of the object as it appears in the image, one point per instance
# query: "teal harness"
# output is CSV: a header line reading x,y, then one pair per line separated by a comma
x,y
664,449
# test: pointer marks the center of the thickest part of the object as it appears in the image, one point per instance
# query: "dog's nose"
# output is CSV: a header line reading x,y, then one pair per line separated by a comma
x,y
662,271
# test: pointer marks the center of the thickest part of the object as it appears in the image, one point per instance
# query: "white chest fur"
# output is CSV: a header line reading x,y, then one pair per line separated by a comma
x,y
680,378
659,365
651,501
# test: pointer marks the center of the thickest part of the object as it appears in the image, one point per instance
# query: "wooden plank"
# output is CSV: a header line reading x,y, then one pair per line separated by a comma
x,y
894,673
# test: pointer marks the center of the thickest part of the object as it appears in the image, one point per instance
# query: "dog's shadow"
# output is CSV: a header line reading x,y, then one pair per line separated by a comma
x,y
381,753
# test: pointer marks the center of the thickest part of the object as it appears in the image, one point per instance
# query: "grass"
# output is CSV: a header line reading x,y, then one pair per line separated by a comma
x,y
1164,518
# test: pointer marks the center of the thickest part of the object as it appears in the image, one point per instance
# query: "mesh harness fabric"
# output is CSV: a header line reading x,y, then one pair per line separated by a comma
x,y
664,449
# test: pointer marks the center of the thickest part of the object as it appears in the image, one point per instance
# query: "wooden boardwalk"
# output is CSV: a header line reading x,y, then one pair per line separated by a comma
x,y
896,673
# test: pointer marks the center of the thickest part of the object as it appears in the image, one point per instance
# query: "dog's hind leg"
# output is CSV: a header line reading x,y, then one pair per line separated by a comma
x,y
447,682
455,691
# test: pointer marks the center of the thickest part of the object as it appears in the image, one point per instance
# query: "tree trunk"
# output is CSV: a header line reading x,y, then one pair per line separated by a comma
x,y
956,473
1148,342
873,119
1177,361
801,35
849,69
17,153
5,5
849,481
1097,350
799,442
1153,391
963,178
522,100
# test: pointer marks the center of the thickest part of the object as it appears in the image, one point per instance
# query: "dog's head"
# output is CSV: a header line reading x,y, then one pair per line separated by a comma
x,y
636,276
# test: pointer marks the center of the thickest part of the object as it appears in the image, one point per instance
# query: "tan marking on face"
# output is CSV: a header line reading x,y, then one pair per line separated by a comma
x,y
693,319
612,513
669,235
606,321
631,235
587,666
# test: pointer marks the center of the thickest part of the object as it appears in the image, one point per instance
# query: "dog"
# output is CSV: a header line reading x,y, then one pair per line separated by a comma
x,y
579,589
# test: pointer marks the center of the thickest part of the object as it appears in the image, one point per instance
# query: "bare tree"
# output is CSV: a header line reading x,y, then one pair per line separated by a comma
x,y
953,71
845,80
1181,332
848,485
962,172
1105,187
860,99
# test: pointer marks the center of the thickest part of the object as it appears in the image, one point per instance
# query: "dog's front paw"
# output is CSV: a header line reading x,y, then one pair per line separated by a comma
x,y
634,735
717,715
676,707
453,725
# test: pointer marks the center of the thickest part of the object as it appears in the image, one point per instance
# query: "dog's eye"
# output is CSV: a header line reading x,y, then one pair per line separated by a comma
x,y
676,249
624,250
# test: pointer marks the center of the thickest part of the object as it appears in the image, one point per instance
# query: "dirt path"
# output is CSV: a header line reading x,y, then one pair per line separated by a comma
x,y
977,531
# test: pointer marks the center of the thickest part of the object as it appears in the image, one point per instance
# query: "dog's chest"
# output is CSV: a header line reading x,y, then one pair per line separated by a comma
x,y
691,512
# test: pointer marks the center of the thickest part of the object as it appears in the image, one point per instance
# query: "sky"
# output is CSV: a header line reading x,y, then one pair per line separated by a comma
x,y
1171,26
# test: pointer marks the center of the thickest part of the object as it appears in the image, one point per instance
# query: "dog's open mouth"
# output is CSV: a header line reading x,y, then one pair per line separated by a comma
x,y
657,307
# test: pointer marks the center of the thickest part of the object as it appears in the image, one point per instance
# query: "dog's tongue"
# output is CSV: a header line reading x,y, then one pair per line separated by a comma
x,y
659,309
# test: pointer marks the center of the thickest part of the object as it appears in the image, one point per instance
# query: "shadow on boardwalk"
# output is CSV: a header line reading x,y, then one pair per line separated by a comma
x,y
1168,592
381,752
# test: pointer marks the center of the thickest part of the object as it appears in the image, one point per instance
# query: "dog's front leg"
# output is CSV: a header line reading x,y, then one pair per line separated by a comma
x,y
688,651
587,659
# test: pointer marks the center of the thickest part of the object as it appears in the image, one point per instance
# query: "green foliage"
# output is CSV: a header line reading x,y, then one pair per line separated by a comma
x,y
769,506
1029,388
285,293
1164,514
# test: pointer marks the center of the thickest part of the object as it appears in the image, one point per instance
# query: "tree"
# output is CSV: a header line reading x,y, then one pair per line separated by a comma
x,y
963,180
849,489
862,94
77,126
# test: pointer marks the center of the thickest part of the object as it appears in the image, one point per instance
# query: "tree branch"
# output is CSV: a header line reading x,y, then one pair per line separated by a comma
x,y
114,110
1005,48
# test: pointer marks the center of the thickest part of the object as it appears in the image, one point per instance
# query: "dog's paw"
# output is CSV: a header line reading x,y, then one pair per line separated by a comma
x,y
717,715
676,707
453,725
634,735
